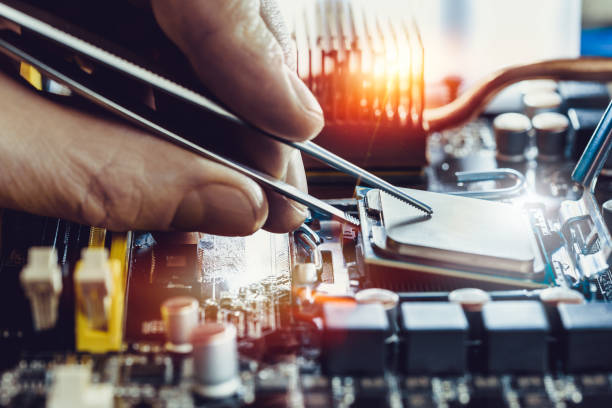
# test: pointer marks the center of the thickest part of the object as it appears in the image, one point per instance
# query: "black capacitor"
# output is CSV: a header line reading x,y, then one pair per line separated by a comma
x,y
354,338
434,337
388,299
515,336
580,94
587,336
511,135
551,135
606,211
583,123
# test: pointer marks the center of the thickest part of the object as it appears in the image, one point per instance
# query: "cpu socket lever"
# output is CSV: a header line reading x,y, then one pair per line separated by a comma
x,y
582,223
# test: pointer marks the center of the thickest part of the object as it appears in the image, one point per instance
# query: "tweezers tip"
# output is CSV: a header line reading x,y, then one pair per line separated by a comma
x,y
351,219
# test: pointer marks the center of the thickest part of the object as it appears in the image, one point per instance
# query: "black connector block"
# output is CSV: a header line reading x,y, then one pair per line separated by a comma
x,y
515,337
434,336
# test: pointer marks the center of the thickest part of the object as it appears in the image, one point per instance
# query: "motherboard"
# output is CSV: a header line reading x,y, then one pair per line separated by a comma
x,y
500,299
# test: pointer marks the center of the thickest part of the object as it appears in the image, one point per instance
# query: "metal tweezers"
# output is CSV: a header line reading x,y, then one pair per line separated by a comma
x,y
86,87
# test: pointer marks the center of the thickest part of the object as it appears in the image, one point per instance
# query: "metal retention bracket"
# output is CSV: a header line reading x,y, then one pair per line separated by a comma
x,y
491,194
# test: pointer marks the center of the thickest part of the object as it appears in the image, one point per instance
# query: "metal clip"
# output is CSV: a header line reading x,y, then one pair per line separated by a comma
x,y
310,240
491,194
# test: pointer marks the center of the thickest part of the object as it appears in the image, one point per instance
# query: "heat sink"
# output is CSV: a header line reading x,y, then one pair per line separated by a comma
x,y
363,61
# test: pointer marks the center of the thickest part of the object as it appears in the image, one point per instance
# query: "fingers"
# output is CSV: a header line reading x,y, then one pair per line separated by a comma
x,y
271,15
243,53
60,162
288,214
240,60
9,25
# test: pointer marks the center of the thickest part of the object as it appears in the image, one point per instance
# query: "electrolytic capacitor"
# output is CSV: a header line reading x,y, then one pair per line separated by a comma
x,y
538,102
551,135
180,315
215,360
511,136
537,85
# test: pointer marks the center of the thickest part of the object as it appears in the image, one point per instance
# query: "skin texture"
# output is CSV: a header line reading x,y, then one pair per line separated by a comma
x,y
57,161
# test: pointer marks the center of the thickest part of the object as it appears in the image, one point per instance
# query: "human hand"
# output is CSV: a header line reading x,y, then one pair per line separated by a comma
x,y
61,162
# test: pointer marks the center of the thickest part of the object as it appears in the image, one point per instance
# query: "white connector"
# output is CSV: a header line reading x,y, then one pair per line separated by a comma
x,y
72,388
94,282
304,274
41,279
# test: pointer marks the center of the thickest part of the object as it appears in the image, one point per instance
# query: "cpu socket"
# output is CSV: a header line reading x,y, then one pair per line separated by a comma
x,y
467,242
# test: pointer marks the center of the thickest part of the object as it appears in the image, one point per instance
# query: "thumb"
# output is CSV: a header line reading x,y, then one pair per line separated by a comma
x,y
239,59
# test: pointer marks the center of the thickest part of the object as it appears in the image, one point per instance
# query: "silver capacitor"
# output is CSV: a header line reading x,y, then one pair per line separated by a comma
x,y
180,315
215,360
541,101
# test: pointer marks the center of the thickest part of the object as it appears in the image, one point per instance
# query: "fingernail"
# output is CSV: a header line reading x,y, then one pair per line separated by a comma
x,y
309,102
220,209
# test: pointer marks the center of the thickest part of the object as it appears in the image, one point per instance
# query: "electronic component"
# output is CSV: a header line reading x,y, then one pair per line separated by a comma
x,y
587,333
434,336
583,123
176,258
511,136
304,274
215,360
42,281
584,94
470,299
180,315
345,60
539,102
154,370
388,299
516,336
94,282
555,296
537,85
72,388
551,134
388,314
100,291
354,338
487,237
